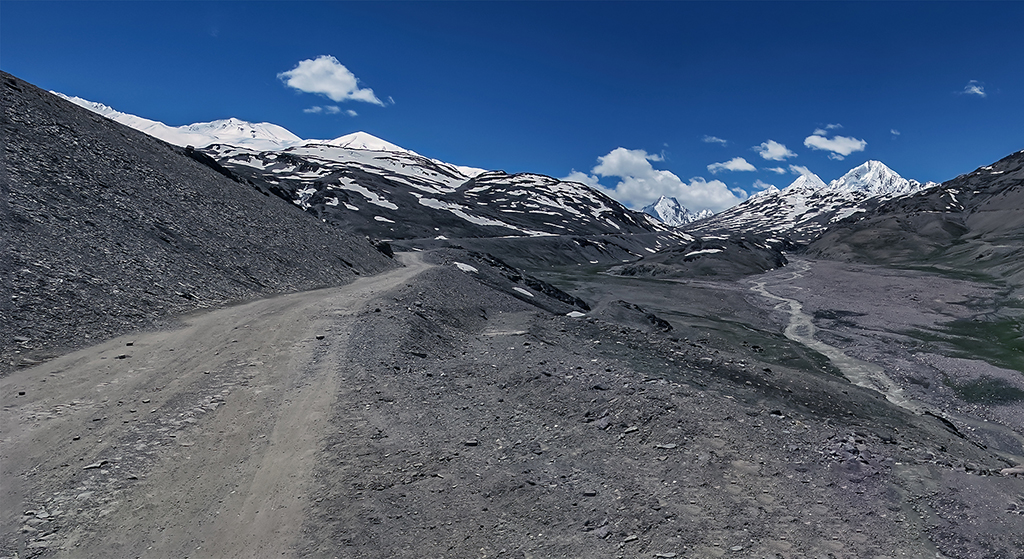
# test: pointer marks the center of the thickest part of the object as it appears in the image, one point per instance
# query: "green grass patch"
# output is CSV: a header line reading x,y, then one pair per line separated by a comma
x,y
998,342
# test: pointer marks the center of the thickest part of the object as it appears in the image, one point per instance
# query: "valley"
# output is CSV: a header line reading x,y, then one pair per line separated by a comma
x,y
346,349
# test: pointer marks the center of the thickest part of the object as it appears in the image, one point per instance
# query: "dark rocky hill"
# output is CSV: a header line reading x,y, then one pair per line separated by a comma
x,y
710,257
106,230
973,224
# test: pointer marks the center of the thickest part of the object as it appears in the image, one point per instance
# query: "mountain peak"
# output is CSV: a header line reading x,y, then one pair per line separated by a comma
x,y
874,178
363,140
808,181
669,211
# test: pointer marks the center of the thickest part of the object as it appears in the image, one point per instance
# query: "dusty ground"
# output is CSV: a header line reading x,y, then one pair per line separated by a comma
x,y
440,417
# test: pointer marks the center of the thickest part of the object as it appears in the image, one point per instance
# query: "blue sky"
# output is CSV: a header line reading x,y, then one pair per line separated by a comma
x,y
704,101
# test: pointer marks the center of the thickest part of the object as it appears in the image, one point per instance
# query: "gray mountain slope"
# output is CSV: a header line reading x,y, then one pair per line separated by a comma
x,y
107,230
972,224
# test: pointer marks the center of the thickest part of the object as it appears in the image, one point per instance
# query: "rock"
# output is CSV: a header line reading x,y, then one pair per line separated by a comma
x,y
471,442
122,356
668,555
589,493
320,336
21,339
95,465
666,446
631,538
145,401
736,548
1014,471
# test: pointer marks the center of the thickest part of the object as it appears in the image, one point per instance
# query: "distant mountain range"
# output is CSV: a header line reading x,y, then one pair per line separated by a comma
x,y
374,187
805,208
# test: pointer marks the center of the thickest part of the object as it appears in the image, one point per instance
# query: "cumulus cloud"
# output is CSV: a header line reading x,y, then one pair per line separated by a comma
x,y
734,164
639,183
774,151
974,87
840,146
332,109
779,170
326,76
713,140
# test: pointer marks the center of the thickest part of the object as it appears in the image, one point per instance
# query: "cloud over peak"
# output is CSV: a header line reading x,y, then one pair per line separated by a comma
x,y
326,76
640,183
774,151
839,146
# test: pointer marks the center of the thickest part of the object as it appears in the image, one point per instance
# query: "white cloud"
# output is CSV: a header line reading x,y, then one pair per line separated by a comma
x,y
799,170
761,185
313,110
640,183
894,132
713,140
350,112
825,131
779,170
734,164
326,76
838,145
774,151
974,87
332,109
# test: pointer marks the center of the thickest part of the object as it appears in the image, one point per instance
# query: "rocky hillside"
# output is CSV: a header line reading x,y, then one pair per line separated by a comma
x,y
107,230
973,224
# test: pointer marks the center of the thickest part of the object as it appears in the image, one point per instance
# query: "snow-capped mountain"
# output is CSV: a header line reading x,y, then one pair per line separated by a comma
x,y
263,136
875,179
379,189
805,208
669,211
402,195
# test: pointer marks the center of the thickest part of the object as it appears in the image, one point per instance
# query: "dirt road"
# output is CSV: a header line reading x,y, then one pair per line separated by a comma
x,y
190,442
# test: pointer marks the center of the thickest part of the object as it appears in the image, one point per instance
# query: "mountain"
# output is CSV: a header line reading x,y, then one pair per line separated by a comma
x,y
264,136
669,211
973,223
808,206
398,194
108,230
375,188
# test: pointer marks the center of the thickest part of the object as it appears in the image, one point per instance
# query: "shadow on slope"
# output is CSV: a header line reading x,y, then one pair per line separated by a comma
x,y
108,230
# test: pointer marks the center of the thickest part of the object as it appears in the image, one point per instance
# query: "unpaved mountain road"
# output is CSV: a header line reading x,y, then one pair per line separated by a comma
x,y
197,441
442,416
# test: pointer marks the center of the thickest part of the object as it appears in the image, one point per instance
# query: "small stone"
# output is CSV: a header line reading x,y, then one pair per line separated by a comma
x,y
21,393
145,401
668,555
736,548
666,446
122,356
589,493
129,344
632,429
320,336
471,442
133,410
631,538
76,437
95,465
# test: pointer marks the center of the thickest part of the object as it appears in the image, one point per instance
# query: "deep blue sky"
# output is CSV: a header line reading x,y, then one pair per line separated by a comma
x,y
550,87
